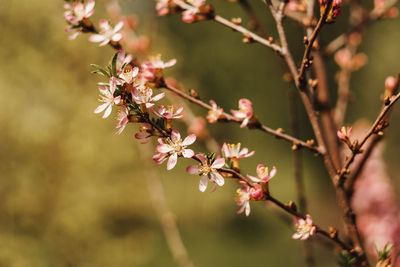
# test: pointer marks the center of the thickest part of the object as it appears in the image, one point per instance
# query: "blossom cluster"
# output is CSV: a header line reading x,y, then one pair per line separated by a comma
x,y
131,88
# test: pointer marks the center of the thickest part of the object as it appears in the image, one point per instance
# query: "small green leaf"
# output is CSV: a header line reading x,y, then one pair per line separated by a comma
x,y
100,70
114,65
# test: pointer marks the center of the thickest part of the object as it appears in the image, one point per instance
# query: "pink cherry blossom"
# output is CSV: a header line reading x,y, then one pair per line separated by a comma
x,y
128,74
122,59
172,148
162,7
233,151
78,11
107,96
336,4
263,176
143,95
208,170
107,33
245,112
305,228
344,133
169,112
122,117
145,131
242,199
150,67
214,113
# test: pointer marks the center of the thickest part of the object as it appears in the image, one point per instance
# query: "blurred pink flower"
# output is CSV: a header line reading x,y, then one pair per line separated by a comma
x,y
172,148
78,11
245,112
169,112
305,228
107,33
150,67
107,96
145,131
233,151
208,170
162,7
263,176
214,114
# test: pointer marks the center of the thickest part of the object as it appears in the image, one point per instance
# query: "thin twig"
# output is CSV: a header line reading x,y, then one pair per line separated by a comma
x,y
291,211
371,131
277,133
237,28
311,41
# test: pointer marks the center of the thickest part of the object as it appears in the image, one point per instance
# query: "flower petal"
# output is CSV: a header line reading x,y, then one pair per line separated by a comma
x,y
194,169
172,161
203,183
218,163
189,140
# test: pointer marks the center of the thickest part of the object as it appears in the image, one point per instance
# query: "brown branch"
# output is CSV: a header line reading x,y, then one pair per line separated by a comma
x,y
349,186
277,133
237,28
373,130
311,41
344,203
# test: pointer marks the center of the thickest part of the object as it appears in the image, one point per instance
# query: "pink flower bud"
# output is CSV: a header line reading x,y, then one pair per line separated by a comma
x,y
390,83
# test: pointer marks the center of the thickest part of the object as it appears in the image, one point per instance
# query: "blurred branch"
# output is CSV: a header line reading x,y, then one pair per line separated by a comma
x,y
164,214
375,14
298,174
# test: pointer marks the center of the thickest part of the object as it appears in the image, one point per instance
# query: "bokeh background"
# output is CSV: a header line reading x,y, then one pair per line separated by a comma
x,y
72,194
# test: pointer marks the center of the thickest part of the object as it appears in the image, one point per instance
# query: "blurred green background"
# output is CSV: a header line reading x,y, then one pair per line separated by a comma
x,y
72,194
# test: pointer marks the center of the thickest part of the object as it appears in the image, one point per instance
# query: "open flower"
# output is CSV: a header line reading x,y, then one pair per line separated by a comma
x,y
149,68
214,113
233,151
172,148
169,112
107,96
245,112
305,228
242,199
145,131
107,33
247,193
78,11
263,176
143,95
122,60
122,117
128,74
208,170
